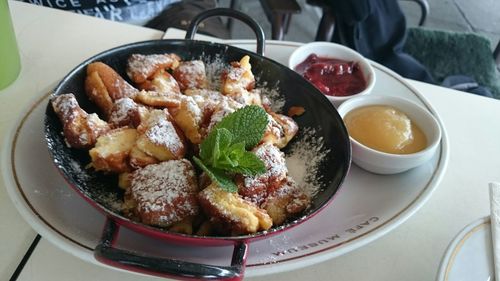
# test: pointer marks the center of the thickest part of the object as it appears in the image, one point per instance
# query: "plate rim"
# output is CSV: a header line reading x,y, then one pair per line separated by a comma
x,y
455,245
54,236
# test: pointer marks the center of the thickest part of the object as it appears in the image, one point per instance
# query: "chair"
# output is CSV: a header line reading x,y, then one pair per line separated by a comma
x,y
424,8
496,55
278,13
327,23
465,53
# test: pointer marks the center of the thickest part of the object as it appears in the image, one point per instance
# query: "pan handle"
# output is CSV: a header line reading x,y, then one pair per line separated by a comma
x,y
139,262
259,33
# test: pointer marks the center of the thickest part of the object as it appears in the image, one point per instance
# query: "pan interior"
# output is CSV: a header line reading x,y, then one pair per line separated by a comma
x,y
320,117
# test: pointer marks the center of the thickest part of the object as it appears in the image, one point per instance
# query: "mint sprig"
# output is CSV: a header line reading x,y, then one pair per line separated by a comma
x,y
247,124
222,179
224,150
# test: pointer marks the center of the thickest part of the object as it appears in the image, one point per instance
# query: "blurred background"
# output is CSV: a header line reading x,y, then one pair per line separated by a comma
x,y
453,43
478,16
449,37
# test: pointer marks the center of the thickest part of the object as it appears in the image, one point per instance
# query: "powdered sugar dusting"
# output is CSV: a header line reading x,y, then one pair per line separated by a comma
x,y
163,133
65,105
274,161
273,127
112,200
192,67
216,66
166,83
123,89
193,107
236,73
304,159
214,70
144,65
194,70
159,187
107,198
122,108
276,100
224,108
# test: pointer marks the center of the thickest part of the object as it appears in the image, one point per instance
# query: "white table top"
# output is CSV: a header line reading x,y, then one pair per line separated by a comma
x,y
52,42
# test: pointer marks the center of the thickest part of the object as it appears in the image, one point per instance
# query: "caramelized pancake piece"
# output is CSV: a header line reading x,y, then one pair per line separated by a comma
x,y
286,202
231,213
208,102
188,116
200,110
129,205
124,181
161,82
206,98
274,132
103,86
139,159
296,111
280,130
159,99
289,127
191,75
238,77
184,226
256,188
164,193
161,90
98,93
247,97
127,113
111,151
205,229
223,109
142,67
159,137
80,129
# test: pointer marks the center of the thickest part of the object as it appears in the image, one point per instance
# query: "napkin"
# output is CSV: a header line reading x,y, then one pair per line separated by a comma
x,y
495,225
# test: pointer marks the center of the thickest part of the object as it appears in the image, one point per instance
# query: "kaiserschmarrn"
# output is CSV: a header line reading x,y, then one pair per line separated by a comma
x,y
150,126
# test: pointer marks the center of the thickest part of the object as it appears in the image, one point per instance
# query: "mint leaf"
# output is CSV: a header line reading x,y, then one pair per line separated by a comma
x,y
220,177
231,155
208,145
224,150
214,145
247,124
249,164
237,160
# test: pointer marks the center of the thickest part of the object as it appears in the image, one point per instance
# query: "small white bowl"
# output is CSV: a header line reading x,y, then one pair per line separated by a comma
x,y
333,50
387,163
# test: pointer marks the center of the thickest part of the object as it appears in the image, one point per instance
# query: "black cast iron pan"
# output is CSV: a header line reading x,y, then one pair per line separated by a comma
x,y
101,191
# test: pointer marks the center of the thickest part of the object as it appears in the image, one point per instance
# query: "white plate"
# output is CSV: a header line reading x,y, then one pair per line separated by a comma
x,y
469,256
368,206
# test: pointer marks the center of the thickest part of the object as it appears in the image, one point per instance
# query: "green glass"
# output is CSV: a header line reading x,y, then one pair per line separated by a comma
x,y
10,64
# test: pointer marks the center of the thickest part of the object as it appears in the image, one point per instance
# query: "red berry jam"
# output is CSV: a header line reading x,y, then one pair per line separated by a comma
x,y
333,77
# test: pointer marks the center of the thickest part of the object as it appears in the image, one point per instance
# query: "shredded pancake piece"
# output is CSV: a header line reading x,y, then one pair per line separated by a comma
x,y
103,86
231,214
191,75
257,188
286,201
141,67
164,193
160,138
80,129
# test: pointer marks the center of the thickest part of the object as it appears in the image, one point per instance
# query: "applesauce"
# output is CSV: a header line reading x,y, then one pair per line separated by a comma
x,y
385,129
